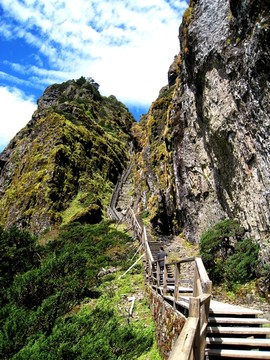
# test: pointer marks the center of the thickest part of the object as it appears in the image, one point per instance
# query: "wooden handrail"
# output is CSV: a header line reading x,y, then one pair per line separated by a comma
x,y
183,348
183,260
199,305
111,211
201,269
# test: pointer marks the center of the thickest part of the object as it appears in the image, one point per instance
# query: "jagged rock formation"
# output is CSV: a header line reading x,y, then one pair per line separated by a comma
x,y
204,145
63,165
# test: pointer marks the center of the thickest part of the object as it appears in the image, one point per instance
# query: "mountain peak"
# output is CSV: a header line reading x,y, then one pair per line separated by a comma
x,y
62,166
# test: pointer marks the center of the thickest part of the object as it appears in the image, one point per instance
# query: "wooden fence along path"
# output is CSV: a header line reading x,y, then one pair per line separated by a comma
x,y
212,330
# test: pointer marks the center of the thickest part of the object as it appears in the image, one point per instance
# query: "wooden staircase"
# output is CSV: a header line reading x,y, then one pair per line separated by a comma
x,y
232,332
235,332
155,248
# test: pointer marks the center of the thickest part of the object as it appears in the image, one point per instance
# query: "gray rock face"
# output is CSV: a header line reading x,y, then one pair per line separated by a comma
x,y
221,133
207,153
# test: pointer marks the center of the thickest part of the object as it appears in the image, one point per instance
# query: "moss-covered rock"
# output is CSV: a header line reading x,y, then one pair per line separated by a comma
x,y
76,143
154,158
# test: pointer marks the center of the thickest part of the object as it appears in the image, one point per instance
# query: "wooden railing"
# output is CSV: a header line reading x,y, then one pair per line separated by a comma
x,y
132,220
191,342
111,211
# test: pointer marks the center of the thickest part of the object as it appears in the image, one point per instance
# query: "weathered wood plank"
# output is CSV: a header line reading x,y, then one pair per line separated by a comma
x,y
224,308
245,330
232,320
239,354
238,341
184,343
180,289
201,270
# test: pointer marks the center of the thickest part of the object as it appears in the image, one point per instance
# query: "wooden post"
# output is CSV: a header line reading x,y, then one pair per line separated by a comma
x,y
204,317
183,347
194,311
158,273
165,277
194,307
176,281
144,234
195,282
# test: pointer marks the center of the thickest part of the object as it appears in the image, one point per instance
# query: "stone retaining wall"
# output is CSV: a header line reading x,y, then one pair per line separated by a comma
x,y
169,322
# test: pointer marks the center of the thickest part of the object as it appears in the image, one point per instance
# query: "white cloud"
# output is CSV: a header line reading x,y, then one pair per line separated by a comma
x,y
88,34
16,110
126,46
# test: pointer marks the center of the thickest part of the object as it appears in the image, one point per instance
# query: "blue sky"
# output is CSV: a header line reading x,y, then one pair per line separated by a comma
x,y
126,46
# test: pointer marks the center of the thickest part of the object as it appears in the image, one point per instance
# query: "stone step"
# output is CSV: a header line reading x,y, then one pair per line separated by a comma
x,y
181,301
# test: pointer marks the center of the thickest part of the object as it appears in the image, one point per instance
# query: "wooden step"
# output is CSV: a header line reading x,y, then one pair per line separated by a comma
x,y
181,301
238,354
238,341
245,330
180,289
217,307
182,281
155,247
235,320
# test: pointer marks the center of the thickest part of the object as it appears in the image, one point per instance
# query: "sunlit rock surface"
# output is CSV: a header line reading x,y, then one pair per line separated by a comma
x,y
206,149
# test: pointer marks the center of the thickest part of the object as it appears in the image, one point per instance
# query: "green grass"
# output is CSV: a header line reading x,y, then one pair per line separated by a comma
x,y
74,207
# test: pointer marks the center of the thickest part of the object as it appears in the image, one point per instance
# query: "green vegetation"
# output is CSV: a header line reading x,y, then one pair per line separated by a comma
x,y
54,304
187,17
18,254
241,266
228,257
71,155
154,136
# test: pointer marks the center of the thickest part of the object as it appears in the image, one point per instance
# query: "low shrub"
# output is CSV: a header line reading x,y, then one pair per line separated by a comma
x,y
227,256
57,309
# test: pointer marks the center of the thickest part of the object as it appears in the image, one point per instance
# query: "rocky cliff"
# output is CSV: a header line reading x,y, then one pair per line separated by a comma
x,y
202,149
204,145
63,165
